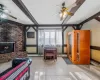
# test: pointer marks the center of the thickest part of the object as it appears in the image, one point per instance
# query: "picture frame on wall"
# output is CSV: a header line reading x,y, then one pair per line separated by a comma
x,y
30,34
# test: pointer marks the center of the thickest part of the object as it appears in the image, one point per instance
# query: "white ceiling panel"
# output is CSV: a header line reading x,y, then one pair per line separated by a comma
x,y
89,8
16,12
46,11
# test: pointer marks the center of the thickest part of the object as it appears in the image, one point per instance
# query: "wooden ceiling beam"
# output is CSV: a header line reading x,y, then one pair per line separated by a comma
x,y
52,25
97,18
90,18
21,5
74,9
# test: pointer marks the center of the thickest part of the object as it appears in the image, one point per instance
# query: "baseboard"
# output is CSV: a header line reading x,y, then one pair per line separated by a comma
x,y
95,61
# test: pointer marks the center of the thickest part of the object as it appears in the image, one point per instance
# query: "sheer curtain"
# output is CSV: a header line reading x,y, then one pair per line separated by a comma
x,y
50,38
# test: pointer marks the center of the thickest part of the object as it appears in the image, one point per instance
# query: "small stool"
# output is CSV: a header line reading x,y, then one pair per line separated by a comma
x,y
49,55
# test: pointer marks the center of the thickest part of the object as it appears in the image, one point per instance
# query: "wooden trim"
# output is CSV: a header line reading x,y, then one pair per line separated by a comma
x,y
52,25
27,28
34,28
65,45
90,18
31,45
32,53
49,28
65,28
24,35
74,27
98,19
62,41
95,61
37,38
78,27
95,47
66,54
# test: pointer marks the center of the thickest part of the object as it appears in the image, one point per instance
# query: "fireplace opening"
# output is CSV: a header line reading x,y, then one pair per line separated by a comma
x,y
6,47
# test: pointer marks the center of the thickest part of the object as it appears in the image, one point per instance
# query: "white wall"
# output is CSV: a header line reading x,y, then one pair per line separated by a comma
x,y
69,29
94,27
31,41
87,9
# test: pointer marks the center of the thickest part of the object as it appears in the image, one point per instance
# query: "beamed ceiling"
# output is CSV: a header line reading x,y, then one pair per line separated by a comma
x,y
16,12
89,8
97,18
47,11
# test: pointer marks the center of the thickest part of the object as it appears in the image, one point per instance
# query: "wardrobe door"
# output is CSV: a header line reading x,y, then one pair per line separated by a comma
x,y
69,44
78,46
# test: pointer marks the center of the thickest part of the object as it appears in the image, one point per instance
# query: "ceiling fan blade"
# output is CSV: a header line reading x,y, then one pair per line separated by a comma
x,y
11,16
1,6
61,18
8,14
69,13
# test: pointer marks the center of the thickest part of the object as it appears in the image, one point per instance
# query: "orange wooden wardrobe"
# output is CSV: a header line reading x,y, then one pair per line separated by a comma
x,y
79,46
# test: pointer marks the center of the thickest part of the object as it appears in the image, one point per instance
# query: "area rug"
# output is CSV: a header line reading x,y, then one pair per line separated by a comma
x,y
67,60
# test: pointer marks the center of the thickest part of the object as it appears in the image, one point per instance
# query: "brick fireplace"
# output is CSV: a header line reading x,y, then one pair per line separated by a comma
x,y
12,33
7,47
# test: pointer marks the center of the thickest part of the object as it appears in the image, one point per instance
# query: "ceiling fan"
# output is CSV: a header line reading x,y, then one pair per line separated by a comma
x,y
4,11
66,10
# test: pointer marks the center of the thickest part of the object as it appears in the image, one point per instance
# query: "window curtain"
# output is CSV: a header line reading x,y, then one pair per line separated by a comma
x,y
52,38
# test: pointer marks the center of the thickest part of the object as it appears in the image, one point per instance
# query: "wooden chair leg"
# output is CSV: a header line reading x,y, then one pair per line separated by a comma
x,y
55,57
45,57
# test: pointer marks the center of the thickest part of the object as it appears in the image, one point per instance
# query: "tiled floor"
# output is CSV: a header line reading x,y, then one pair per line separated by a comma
x,y
58,70
4,66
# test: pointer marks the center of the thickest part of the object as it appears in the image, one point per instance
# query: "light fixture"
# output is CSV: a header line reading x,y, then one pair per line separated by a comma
x,y
2,6
4,12
3,16
65,11
62,15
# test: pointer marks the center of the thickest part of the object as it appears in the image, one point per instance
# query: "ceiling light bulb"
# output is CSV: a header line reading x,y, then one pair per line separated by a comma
x,y
64,15
60,14
3,16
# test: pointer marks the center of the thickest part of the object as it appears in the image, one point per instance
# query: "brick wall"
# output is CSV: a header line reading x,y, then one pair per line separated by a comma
x,y
12,33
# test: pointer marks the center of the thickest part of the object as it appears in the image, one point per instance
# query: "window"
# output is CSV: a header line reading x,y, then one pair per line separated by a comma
x,y
59,37
50,37
46,40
